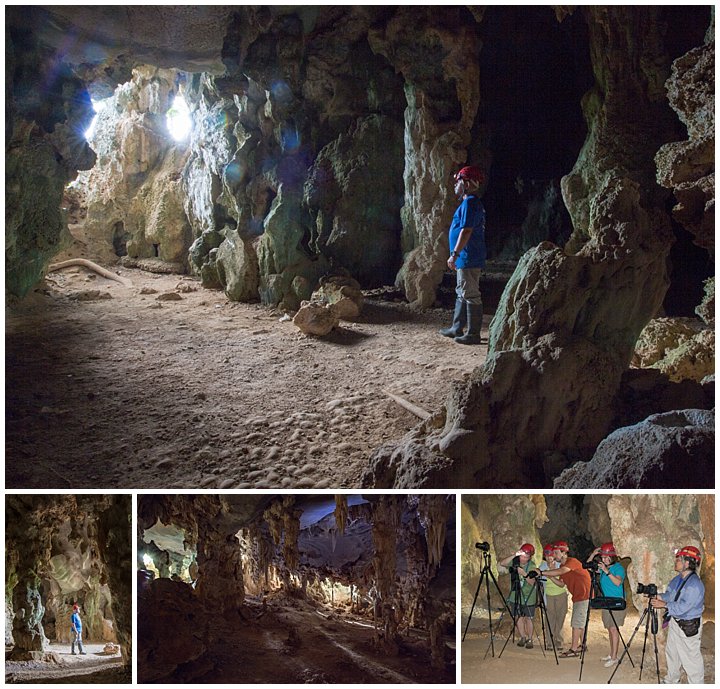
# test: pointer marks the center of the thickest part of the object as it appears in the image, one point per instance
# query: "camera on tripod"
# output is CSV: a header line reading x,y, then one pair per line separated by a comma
x,y
647,589
593,565
532,574
484,546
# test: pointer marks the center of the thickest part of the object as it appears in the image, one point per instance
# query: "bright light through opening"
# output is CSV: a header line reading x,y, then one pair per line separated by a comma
x,y
98,106
147,560
178,119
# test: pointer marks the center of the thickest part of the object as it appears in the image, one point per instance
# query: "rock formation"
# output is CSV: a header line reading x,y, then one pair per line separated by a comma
x,y
388,560
63,550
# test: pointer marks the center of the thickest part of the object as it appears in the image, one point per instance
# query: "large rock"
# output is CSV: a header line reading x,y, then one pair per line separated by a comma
x,y
672,450
316,319
681,348
343,294
237,268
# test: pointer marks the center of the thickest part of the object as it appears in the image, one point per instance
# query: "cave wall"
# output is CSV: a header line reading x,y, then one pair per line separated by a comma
x,y
62,550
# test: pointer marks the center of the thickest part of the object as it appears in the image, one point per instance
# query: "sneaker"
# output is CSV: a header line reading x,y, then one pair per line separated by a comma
x,y
529,643
610,662
82,653
521,642
606,658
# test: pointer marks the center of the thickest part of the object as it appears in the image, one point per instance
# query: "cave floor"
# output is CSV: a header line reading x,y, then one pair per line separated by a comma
x,y
520,666
109,387
295,643
94,668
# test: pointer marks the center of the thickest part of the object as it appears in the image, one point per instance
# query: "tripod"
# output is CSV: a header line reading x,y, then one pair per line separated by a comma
x,y
544,617
596,592
519,603
651,622
487,575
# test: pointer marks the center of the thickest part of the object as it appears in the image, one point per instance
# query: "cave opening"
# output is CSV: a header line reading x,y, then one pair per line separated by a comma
x,y
351,588
534,72
179,119
643,531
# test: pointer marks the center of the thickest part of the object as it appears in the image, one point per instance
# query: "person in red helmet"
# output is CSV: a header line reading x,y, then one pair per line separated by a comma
x,y
467,256
76,625
571,573
523,596
556,598
612,579
684,602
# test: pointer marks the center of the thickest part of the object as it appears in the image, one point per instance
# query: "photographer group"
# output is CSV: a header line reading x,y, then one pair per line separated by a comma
x,y
598,583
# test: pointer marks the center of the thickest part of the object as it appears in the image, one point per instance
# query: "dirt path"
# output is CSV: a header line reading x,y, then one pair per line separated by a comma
x,y
110,386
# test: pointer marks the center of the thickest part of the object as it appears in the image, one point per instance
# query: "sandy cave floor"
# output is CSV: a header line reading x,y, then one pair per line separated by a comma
x,y
521,666
298,644
94,668
109,387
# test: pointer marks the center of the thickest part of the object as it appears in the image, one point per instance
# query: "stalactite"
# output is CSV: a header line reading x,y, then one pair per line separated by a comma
x,y
434,511
341,513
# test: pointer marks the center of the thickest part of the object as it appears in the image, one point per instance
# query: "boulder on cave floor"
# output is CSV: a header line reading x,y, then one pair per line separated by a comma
x,y
671,450
315,319
343,294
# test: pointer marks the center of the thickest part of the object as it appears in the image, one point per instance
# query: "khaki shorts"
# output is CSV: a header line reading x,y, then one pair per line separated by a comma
x,y
619,616
579,614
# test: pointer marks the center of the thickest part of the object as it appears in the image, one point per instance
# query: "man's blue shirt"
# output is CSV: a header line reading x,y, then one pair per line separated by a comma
x,y
470,213
75,621
691,602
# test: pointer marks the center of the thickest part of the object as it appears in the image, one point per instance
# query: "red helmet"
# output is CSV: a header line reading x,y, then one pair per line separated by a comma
x,y
528,548
76,607
608,549
548,548
471,173
689,551
561,545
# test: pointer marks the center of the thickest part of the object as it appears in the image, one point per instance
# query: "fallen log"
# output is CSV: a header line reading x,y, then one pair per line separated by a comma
x,y
91,266
409,406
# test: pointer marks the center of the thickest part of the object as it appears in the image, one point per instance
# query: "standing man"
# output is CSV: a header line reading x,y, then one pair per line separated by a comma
x,y
571,573
523,597
685,602
467,256
76,625
556,599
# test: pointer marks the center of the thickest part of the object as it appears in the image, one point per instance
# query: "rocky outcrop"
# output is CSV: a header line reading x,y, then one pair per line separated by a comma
x,y
671,450
134,197
681,348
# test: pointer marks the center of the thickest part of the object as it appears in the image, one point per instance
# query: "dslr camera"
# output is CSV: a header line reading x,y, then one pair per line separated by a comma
x,y
647,589
532,574
484,546
593,565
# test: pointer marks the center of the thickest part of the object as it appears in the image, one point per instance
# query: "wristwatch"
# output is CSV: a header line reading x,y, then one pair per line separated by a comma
x,y
453,254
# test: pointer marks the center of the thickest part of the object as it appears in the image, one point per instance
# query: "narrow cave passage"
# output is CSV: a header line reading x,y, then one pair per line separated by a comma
x,y
68,589
347,589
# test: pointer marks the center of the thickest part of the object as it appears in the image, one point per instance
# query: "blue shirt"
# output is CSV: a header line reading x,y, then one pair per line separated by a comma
x,y
606,584
470,213
75,621
691,602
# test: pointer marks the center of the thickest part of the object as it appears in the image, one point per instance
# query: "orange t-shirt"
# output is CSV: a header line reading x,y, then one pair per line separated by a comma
x,y
577,580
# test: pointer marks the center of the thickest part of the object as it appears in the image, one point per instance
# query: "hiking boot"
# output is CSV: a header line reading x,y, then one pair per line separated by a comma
x,y
474,325
529,643
456,329
521,642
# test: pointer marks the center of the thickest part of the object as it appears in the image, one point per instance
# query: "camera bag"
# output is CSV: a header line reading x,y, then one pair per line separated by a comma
x,y
607,603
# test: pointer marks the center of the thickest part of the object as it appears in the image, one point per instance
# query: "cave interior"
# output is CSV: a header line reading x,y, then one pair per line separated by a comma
x,y
61,551
304,588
